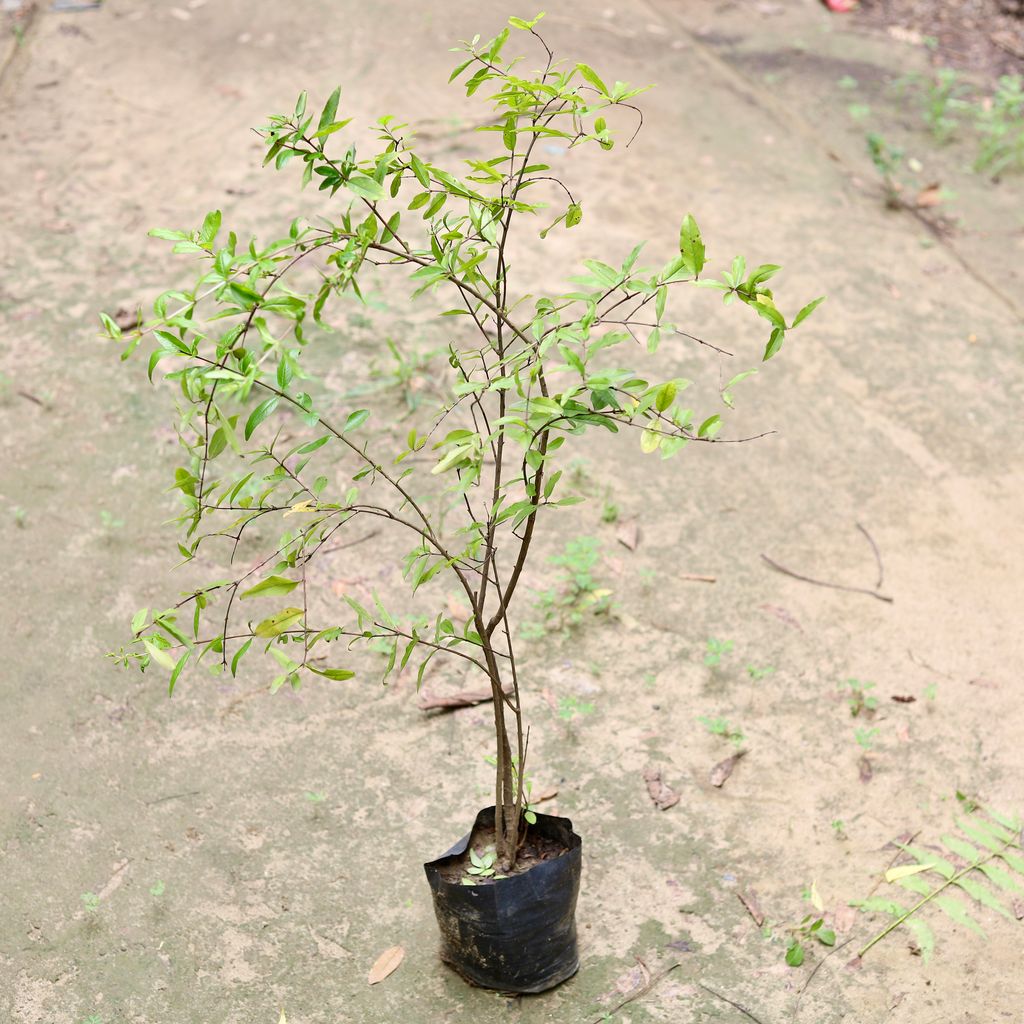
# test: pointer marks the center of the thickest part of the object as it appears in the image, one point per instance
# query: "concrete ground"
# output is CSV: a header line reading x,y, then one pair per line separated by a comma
x,y
223,855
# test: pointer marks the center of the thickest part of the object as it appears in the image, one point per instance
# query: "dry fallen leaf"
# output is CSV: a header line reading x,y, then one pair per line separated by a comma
x,y
864,769
663,796
721,771
1018,909
749,900
844,918
930,195
387,963
465,699
782,615
628,534
548,793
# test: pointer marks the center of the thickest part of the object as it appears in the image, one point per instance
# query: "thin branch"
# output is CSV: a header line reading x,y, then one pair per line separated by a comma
x,y
878,557
732,1003
823,583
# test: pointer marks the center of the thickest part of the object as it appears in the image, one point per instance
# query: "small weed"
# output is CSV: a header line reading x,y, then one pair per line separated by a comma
x,y
563,608
110,521
969,804
609,512
20,517
157,889
865,737
839,828
90,901
930,691
571,706
93,1018
942,97
887,160
847,82
315,798
859,111
858,698
1000,121
811,928
757,674
649,680
721,727
715,651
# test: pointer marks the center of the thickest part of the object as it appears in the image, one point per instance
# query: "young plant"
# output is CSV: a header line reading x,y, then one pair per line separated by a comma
x,y
1000,121
810,928
887,160
527,374
943,96
576,595
859,699
721,727
716,650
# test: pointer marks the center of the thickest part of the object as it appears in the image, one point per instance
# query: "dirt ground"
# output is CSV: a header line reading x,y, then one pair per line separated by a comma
x,y
249,853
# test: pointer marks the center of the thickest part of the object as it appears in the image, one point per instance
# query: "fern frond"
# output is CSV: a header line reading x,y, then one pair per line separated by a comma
x,y
934,878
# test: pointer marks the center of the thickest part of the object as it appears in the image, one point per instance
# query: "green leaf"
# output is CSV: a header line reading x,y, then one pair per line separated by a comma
x,y
774,343
239,655
332,673
167,234
525,25
807,311
593,78
710,426
272,586
259,414
277,624
355,420
978,891
795,954
923,936
879,905
159,655
976,832
691,246
139,620
939,864
962,849
956,911
208,232
573,215
330,109
1001,878
665,395
365,187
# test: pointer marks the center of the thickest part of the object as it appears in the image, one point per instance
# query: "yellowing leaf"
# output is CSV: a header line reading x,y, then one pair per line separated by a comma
x,y
816,900
272,586
302,506
386,964
905,871
649,441
282,1019
278,623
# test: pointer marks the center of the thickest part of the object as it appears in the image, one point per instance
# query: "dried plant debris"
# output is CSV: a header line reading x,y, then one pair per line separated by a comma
x,y
386,964
721,771
660,793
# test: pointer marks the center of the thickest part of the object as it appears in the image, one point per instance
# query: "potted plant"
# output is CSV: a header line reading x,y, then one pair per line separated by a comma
x,y
525,376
